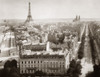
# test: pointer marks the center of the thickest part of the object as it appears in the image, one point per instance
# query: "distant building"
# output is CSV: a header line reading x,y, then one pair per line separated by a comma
x,y
36,47
45,47
21,29
76,19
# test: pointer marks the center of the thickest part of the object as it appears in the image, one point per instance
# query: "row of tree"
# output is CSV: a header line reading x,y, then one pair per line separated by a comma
x,y
81,48
95,57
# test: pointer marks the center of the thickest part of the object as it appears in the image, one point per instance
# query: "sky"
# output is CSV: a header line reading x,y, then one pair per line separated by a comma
x,y
48,9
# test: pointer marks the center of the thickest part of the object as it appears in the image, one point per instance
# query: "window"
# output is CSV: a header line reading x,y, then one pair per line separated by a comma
x,y
22,62
56,64
53,70
33,71
47,64
51,63
63,62
34,61
60,62
22,71
60,65
63,65
28,71
25,71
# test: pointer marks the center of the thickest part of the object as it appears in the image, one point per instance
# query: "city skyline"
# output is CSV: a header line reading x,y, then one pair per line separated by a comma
x,y
40,38
47,9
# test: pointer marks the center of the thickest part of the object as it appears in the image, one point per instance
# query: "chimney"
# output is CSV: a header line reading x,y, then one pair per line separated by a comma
x,y
48,46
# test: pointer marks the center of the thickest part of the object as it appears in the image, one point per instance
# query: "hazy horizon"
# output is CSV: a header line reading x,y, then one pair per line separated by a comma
x,y
49,9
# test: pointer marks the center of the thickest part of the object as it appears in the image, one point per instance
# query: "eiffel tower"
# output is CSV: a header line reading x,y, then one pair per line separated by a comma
x,y
29,17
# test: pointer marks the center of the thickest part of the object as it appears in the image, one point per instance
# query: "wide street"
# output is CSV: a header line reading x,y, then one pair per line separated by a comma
x,y
87,47
90,51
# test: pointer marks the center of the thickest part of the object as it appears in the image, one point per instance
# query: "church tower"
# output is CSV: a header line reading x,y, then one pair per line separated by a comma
x,y
29,17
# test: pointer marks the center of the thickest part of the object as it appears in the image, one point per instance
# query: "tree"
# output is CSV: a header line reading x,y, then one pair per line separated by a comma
x,y
14,72
96,70
74,69
7,64
13,63
90,74
4,73
80,54
39,73
95,73
71,68
12,28
52,38
61,37
6,70
77,70
10,69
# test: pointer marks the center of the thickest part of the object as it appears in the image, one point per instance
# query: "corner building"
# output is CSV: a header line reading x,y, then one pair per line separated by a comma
x,y
47,63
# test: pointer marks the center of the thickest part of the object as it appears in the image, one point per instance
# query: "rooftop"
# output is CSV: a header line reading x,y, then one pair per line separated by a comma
x,y
47,55
30,54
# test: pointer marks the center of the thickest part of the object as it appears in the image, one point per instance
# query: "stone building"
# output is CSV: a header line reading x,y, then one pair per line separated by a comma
x,y
47,61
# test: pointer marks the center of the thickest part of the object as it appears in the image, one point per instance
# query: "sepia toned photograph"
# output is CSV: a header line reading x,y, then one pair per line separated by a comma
x,y
49,38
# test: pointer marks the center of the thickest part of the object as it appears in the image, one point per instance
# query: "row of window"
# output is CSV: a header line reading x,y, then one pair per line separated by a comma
x,y
43,66
24,62
31,62
41,56
43,70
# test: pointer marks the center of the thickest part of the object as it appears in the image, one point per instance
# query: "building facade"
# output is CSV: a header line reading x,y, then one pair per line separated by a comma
x,y
47,63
